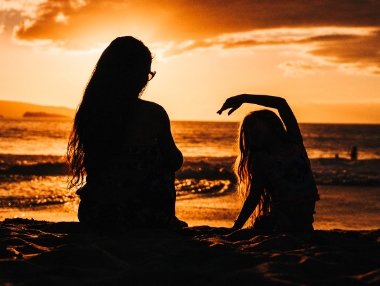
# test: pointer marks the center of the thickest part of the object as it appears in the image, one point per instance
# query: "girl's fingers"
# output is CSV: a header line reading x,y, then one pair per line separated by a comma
x,y
224,107
229,103
232,110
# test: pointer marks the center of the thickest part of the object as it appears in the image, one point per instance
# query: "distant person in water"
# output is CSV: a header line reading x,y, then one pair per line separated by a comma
x,y
354,153
273,170
121,152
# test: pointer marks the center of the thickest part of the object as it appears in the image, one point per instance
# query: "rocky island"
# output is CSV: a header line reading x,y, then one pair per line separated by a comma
x,y
42,115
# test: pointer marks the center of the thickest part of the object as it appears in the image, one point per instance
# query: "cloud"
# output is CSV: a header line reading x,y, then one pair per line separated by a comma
x,y
271,37
195,19
25,7
341,32
355,53
300,68
353,50
61,18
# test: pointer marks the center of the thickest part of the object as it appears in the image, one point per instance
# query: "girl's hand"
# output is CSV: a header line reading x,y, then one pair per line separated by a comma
x,y
233,102
236,227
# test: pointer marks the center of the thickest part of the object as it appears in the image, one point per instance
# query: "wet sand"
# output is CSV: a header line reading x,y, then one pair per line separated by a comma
x,y
340,207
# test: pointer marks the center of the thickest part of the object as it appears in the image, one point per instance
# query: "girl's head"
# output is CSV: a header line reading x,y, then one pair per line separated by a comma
x,y
258,131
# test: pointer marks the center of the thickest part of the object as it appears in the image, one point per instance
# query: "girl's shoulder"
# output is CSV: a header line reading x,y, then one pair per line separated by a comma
x,y
260,160
260,166
260,156
292,149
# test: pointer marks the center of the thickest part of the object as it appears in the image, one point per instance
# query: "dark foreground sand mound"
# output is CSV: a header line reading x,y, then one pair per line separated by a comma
x,y
65,253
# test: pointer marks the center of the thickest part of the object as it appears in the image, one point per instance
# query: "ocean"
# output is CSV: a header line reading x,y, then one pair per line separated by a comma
x,y
33,173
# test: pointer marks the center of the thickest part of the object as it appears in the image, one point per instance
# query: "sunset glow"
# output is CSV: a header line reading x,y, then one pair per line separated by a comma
x,y
323,57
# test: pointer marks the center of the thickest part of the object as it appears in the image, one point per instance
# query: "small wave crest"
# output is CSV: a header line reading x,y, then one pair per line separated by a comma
x,y
22,202
200,187
346,172
326,170
59,196
39,169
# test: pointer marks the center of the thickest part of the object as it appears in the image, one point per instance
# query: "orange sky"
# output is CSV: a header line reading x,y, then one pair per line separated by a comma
x,y
322,56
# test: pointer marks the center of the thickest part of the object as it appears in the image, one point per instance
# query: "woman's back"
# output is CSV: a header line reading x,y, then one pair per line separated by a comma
x,y
131,184
147,127
144,125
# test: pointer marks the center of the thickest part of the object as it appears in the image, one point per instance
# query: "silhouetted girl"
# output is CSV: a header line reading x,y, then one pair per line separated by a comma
x,y
121,151
273,169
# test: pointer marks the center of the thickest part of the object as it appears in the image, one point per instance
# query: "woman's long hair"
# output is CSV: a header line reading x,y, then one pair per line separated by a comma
x,y
243,163
118,80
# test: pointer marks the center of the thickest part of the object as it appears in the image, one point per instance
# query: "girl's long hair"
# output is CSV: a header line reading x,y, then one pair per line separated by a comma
x,y
118,80
243,163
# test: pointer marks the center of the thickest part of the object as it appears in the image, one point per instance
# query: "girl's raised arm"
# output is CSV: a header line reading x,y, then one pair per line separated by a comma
x,y
279,103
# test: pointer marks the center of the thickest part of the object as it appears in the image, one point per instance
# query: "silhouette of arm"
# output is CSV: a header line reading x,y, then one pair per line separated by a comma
x,y
172,156
249,206
255,192
279,103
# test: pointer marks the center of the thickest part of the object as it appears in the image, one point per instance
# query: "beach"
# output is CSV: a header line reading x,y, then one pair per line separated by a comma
x,y
66,253
208,252
43,243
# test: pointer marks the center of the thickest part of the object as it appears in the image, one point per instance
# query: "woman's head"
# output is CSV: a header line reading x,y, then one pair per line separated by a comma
x,y
122,69
109,100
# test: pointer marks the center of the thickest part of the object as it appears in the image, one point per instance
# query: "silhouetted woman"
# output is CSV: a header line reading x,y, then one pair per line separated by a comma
x,y
121,151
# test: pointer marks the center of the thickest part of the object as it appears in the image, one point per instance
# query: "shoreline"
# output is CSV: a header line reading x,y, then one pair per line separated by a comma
x,y
220,210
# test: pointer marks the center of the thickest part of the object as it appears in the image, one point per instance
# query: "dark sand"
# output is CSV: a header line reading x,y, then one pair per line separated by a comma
x,y
66,253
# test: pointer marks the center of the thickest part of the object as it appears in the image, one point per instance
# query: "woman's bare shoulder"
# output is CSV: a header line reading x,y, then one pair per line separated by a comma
x,y
150,104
